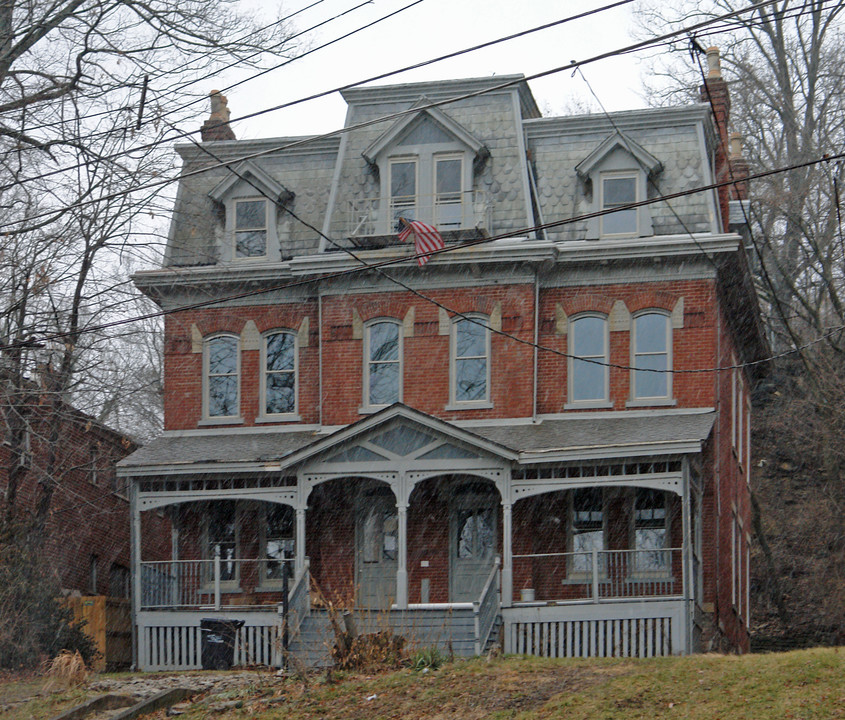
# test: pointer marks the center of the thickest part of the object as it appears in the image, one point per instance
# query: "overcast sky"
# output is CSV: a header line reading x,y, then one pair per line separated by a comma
x,y
432,28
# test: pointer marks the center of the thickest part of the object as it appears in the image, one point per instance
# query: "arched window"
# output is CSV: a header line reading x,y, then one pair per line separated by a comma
x,y
470,360
651,357
588,369
221,369
382,363
279,381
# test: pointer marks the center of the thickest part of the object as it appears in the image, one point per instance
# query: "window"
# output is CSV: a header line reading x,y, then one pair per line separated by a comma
x,y
470,360
221,377
618,189
652,351
650,532
93,477
250,228
616,173
278,524
119,583
587,529
588,369
448,174
403,189
221,535
279,379
382,364
93,560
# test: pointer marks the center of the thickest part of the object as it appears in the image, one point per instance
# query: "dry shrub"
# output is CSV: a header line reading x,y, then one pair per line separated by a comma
x,y
371,652
66,670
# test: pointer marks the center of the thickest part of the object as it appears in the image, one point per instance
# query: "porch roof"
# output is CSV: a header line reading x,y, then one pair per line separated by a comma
x,y
585,436
579,437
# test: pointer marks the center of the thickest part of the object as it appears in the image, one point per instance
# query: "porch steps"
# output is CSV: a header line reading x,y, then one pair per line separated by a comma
x,y
312,643
451,631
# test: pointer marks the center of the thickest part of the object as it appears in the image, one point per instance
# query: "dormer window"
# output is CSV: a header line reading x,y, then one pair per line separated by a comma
x,y
250,228
618,190
614,175
403,189
425,163
251,201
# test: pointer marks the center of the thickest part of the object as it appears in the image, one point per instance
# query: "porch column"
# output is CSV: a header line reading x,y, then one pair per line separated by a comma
x,y
507,555
135,561
299,559
402,556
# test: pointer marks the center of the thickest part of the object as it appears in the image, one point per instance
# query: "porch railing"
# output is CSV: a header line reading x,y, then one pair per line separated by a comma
x,y
299,599
598,575
487,608
175,584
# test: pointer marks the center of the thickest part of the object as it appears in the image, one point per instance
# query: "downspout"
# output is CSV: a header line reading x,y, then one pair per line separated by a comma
x,y
718,467
536,340
320,355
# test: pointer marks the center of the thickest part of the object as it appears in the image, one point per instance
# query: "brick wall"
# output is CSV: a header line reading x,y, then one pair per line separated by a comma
x,y
88,522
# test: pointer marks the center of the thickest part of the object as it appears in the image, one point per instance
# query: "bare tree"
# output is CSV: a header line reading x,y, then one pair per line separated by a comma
x,y
90,93
785,64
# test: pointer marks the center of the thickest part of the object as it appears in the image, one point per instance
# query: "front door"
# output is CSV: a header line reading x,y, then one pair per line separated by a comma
x,y
472,542
376,547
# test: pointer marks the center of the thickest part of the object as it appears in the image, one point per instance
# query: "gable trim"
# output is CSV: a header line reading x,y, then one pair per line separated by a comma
x,y
249,171
438,116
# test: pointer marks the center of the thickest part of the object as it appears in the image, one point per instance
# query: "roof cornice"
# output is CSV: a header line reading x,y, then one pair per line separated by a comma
x,y
439,90
648,119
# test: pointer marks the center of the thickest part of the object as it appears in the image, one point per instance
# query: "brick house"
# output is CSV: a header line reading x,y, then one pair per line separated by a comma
x,y
525,438
86,536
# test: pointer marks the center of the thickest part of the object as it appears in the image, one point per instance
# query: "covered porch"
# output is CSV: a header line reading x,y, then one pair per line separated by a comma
x,y
446,533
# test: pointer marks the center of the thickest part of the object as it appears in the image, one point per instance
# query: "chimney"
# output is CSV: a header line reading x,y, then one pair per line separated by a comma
x,y
739,168
715,93
217,125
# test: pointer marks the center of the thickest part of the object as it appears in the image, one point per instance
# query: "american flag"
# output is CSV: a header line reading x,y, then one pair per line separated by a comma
x,y
426,238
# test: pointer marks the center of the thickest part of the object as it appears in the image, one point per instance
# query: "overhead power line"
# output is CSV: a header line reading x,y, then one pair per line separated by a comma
x,y
684,32
381,76
452,248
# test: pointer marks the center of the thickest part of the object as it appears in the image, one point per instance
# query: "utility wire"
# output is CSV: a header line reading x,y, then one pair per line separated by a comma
x,y
500,86
451,248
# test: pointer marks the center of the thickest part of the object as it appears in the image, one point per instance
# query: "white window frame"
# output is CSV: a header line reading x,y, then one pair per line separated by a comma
x,y
454,402
462,201
262,400
650,400
413,206
578,575
633,571
232,214
265,583
206,344
598,403
636,177
366,405
426,157
232,585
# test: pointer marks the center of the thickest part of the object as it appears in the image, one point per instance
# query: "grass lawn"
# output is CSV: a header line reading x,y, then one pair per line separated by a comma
x,y
803,684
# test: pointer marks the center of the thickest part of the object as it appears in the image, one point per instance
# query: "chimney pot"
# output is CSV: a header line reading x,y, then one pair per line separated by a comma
x,y
217,125
714,64
736,145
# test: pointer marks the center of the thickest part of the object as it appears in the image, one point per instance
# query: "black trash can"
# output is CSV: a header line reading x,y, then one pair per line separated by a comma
x,y
217,651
